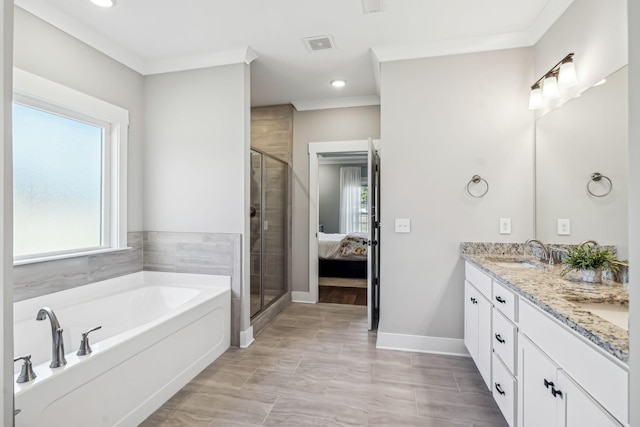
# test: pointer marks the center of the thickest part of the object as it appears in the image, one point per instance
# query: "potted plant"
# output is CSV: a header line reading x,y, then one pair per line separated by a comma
x,y
590,261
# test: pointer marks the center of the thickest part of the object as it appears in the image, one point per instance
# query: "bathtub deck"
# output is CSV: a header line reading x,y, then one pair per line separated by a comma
x,y
318,365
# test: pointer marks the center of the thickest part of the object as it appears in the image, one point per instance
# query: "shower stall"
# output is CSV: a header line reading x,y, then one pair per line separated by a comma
x,y
268,233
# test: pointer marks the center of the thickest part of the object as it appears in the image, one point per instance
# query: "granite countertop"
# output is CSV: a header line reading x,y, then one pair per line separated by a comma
x,y
557,295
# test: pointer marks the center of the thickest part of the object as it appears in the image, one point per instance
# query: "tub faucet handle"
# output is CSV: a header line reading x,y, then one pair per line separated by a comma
x,y
85,348
27,373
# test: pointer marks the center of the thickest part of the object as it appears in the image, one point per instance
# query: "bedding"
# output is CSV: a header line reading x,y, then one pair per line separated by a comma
x,y
334,246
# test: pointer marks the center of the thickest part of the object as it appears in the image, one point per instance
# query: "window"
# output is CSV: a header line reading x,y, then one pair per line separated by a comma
x,y
364,212
69,168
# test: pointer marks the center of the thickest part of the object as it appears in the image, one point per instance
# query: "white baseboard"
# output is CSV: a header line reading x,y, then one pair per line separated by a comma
x,y
303,297
246,337
422,344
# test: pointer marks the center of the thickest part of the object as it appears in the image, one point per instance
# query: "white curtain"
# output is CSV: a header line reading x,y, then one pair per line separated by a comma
x,y
350,183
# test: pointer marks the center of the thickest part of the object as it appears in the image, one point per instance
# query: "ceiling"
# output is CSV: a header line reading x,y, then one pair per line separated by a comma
x,y
156,36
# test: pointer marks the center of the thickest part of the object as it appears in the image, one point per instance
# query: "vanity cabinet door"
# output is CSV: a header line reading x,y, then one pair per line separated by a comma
x,y
537,377
580,409
477,330
471,320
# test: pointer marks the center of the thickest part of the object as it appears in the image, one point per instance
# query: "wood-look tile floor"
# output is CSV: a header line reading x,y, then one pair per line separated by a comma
x,y
317,365
338,295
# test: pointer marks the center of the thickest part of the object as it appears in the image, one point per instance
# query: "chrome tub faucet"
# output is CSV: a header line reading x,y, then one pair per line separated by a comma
x,y
57,343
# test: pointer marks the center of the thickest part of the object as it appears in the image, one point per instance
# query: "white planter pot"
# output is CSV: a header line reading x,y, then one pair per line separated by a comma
x,y
591,276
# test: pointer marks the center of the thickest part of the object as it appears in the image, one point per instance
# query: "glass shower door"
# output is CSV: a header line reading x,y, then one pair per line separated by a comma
x,y
274,230
268,230
255,236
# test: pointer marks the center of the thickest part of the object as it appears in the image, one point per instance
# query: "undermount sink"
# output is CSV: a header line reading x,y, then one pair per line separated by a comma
x,y
514,264
617,314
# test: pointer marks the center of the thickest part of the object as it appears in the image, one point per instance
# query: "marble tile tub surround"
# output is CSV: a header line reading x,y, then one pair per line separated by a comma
x,y
558,295
42,278
199,253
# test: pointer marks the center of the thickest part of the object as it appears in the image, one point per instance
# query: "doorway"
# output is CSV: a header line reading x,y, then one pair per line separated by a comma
x,y
344,224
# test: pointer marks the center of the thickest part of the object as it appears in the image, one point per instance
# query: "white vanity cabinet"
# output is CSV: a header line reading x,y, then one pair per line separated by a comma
x,y
541,372
593,387
549,397
477,330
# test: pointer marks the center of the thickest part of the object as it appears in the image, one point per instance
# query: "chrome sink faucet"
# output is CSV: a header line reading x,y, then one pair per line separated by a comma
x,y
588,242
57,343
545,251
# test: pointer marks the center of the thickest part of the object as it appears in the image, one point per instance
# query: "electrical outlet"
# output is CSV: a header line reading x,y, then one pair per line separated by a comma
x,y
403,225
564,227
505,225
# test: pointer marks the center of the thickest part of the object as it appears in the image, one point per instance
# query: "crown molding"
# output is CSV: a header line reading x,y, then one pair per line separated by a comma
x,y
43,10
329,103
239,55
549,15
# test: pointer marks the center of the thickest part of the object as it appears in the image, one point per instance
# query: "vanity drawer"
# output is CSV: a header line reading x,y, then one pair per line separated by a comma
x,y
504,391
477,278
505,300
505,343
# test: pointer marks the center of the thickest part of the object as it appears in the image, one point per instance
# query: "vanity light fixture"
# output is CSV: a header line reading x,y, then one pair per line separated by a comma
x,y
338,83
104,3
560,76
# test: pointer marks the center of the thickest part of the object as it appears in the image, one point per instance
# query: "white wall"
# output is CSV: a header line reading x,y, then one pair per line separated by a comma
x,y
194,178
50,53
329,195
634,208
596,31
6,214
443,120
341,124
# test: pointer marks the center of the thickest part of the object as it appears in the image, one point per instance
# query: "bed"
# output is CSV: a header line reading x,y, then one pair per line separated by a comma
x,y
343,255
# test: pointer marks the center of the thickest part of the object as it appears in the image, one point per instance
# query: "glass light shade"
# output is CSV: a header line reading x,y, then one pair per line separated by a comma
x,y
104,3
567,76
535,98
550,87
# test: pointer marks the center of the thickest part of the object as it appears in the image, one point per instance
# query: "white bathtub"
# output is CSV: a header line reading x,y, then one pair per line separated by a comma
x,y
159,330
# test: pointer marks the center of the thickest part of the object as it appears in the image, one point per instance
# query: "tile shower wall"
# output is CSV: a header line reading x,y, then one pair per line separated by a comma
x,y
199,253
33,280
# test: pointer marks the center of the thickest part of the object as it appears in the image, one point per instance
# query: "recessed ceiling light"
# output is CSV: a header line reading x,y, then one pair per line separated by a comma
x,y
104,3
338,83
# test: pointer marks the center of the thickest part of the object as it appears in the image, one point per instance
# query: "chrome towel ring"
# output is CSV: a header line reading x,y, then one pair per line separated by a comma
x,y
477,179
596,177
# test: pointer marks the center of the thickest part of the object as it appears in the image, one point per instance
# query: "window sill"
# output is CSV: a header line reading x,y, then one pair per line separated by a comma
x,y
70,255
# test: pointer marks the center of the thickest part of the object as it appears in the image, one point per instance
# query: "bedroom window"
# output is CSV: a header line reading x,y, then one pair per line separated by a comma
x,y
69,168
364,213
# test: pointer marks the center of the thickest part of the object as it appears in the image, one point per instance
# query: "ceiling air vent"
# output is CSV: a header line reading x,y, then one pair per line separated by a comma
x,y
372,6
319,43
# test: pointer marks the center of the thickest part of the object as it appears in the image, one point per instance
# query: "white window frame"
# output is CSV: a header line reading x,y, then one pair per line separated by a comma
x,y
36,92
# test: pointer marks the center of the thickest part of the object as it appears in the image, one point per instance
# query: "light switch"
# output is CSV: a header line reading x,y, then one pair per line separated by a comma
x,y
403,225
564,227
505,225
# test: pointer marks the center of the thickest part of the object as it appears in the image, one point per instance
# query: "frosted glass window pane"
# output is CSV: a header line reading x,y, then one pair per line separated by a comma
x,y
57,172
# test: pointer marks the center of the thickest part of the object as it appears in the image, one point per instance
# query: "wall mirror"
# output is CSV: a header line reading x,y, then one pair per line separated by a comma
x,y
587,135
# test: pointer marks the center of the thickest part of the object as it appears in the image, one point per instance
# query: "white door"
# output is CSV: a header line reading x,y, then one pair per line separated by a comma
x,y
471,321
373,254
580,410
538,387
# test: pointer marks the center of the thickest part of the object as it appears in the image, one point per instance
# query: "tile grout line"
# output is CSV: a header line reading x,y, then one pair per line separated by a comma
x,y
270,410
